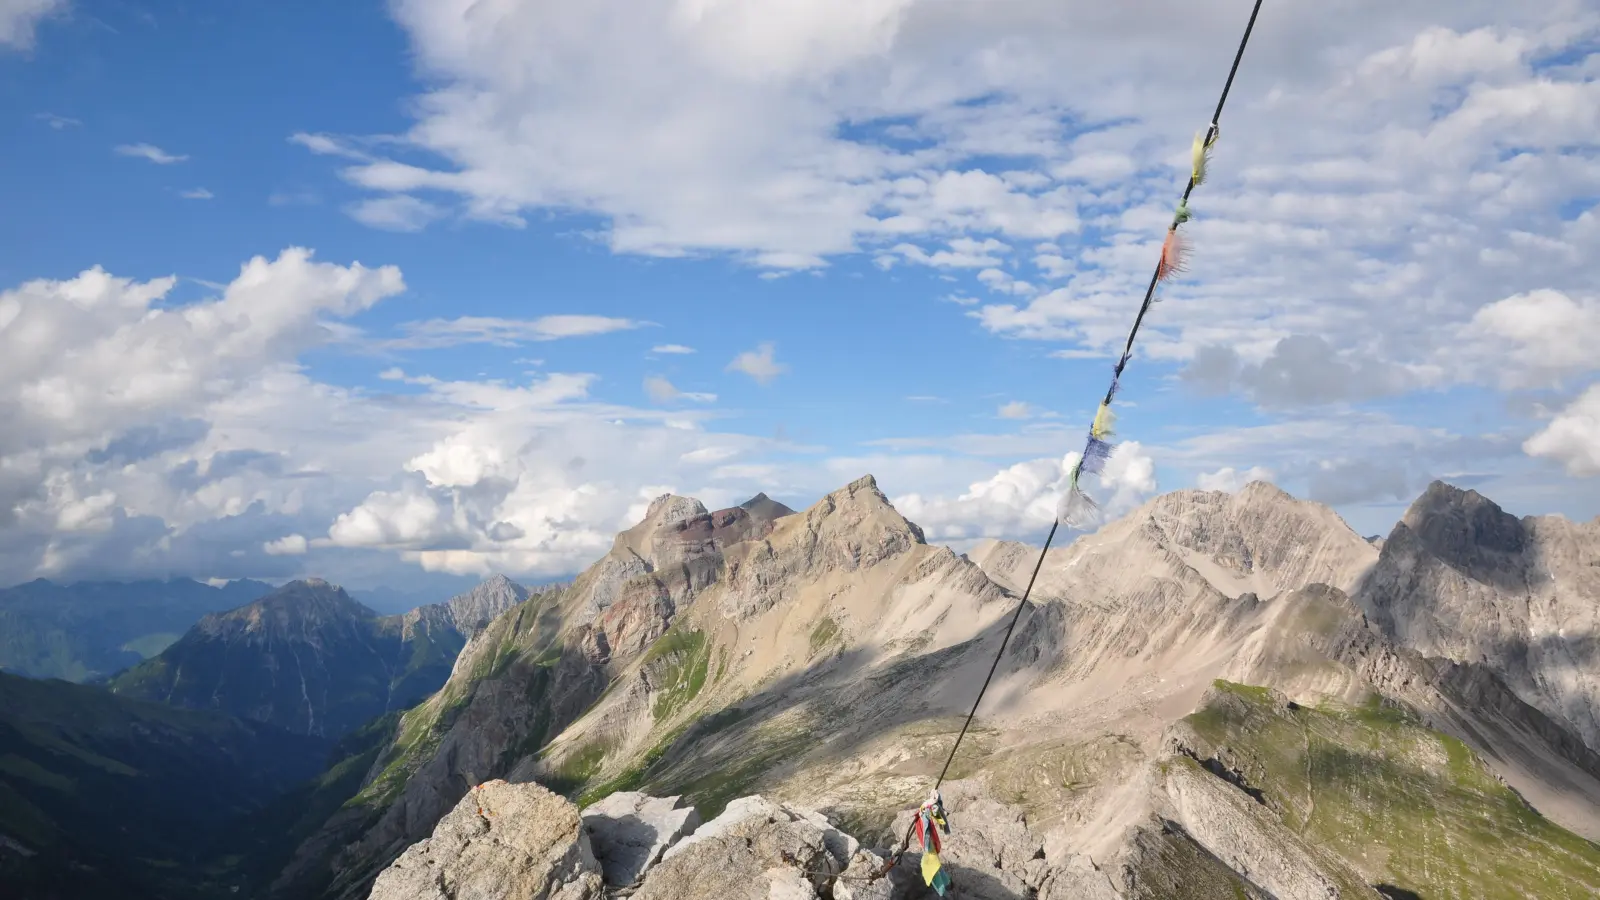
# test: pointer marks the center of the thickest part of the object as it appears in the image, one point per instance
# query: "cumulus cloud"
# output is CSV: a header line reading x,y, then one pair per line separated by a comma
x,y
1230,479
1572,438
1022,498
759,363
1016,409
20,18
150,152
94,354
963,253
1416,187
671,348
1354,481
146,438
196,194
1532,339
288,545
124,427
1302,370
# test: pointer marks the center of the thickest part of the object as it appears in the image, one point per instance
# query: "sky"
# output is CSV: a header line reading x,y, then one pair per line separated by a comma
x,y
411,292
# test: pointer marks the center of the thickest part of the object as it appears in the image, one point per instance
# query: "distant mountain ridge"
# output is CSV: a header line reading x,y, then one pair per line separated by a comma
x,y
309,658
89,630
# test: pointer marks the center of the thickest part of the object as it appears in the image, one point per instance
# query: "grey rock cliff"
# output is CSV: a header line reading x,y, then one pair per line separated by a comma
x,y
501,842
1462,579
630,831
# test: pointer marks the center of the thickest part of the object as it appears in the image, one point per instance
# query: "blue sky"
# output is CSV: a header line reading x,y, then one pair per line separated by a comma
x,y
924,227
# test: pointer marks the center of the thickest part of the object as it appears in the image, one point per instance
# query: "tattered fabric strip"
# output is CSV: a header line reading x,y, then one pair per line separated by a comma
x,y
1076,508
1095,455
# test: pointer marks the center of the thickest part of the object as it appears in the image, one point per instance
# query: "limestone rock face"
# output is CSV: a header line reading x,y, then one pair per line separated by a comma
x,y
630,831
501,842
993,854
471,611
755,850
1460,578
849,530
826,659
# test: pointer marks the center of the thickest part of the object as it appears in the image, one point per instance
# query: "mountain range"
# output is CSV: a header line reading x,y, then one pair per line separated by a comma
x,y
308,658
89,630
1219,695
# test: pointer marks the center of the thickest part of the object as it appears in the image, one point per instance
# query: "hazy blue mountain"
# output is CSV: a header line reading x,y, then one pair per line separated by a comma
x,y
92,629
309,658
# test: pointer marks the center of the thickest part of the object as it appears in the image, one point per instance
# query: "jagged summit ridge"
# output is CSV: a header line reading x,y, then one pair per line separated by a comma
x,y
476,608
295,607
1460,578
818,655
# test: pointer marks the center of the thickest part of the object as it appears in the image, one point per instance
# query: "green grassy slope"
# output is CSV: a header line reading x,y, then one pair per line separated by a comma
x,y
1411,809
131,798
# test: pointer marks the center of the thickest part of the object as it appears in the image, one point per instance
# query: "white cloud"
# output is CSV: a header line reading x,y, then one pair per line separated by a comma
x,y
1417,184
289,545
663,391
196,194
434,333
671,348
19,19
1230,479
93,354
1573,437
59,123
964,253
396,212
1021,498
1532,339
150,152
327,145
1016,409
1003,282
141,434
758,364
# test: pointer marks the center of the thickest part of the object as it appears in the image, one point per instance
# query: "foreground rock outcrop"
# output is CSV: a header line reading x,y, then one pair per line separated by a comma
x,y
501,842
630,831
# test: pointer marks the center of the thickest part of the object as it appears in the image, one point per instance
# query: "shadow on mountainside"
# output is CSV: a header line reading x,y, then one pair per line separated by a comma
x,y
828,710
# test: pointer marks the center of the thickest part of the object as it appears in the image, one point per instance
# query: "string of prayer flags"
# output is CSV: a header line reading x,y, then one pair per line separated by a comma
x,y
1076,508
929,822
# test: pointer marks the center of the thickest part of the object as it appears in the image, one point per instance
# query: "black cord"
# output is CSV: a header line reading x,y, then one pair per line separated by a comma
x,y
1144,307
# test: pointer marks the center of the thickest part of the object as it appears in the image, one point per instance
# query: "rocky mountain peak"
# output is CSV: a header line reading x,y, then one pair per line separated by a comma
x,y
763,507
860,504
1262,534
476,608
670,509
1461,578
1457,525
296,604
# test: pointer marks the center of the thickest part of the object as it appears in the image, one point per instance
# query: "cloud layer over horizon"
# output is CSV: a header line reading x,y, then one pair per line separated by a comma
x,y
1391,282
